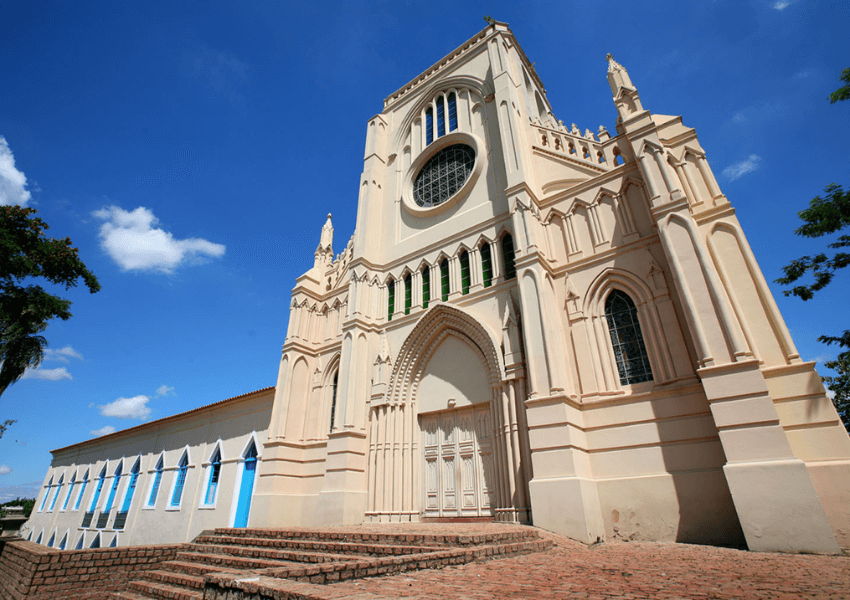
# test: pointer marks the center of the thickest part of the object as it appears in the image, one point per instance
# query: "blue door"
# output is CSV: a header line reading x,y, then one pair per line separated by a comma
x,y
243,506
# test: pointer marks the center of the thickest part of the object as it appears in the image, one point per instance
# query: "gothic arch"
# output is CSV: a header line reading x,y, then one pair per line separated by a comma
x,y
423,341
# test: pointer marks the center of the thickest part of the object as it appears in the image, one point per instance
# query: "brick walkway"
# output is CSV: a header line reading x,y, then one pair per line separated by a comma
x,y
618,570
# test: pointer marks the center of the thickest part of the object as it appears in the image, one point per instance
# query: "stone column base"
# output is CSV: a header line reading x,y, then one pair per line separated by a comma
x,y
568,506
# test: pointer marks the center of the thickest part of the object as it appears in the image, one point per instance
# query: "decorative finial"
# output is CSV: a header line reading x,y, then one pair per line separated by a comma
x,y
609,57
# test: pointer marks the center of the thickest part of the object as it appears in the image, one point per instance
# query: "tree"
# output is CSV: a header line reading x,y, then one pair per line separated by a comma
x,y
26,252
826,216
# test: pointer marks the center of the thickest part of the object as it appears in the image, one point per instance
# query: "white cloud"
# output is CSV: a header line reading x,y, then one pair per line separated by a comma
x,y
13,183
830,394
132,240
803,74
5,469
105,430
127,408
164,390
62,354
739,169
781,4
47,374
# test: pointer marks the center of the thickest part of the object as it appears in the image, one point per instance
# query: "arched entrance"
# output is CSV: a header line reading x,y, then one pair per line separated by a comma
x,y
443,437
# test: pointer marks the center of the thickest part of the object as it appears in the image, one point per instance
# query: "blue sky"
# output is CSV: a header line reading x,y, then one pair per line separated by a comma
x,y
191,150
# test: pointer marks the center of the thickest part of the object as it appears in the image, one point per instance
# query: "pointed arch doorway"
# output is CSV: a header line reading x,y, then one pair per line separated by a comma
x,y
441,437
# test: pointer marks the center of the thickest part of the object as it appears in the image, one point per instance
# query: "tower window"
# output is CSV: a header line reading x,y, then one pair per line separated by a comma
x,y
429,126
452,112
390,299
464,272
426,287
441,118
486,265
408,293
444,280
333,399
626,338
508,256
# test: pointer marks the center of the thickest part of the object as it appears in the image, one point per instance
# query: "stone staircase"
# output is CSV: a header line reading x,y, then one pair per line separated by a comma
x,y
262,562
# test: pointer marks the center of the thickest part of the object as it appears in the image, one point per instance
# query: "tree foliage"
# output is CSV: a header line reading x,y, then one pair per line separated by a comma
x,y
827,216
26,503
25,253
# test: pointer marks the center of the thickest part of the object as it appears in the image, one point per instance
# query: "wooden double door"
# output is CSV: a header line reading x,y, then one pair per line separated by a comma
x,y
460,473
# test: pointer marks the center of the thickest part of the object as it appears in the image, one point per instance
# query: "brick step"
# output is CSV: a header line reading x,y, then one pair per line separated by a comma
x,y
183,580
234,562
126,596
193,568
163,591
363,548
267,553
418,539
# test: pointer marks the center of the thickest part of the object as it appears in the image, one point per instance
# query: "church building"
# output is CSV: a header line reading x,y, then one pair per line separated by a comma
x,y
531,323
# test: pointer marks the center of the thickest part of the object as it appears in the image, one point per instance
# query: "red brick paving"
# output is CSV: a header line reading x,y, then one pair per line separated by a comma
x,y
627,570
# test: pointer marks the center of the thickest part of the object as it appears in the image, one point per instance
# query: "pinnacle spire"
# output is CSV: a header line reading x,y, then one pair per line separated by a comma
x,y
618,77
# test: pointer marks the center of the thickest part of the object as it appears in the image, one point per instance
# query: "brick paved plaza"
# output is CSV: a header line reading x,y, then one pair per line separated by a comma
x,y
618,570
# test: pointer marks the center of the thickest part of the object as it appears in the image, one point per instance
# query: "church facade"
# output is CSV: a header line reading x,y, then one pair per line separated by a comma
x,y
529,324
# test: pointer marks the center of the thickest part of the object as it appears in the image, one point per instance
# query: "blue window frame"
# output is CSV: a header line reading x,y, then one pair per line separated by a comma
x,y
46,494
429,126
80,541
56,493
98,489
157,479
63,542
52,539
246,488
82,490
215,473
452,112
95,542
182,468
441,118
38,541
116,480
70,491
131,487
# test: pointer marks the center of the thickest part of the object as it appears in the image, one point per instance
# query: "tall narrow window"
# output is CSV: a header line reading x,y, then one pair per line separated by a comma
x,y
215,472
157,479
626,338
464,272
486,265
429,126
444,280
116,480
95,542
80,541
82,490
182,468
408,293
441,118
70,491
52,539
508,256
63,542
131,487
333,399
452,112
426,286
98,489
56,493
390,299
38,541
46,494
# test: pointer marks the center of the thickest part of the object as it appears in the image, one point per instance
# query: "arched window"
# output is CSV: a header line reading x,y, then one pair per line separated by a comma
x,y
46,494
390,299
95,542
38,541
444,280
486,265
131,487
626,338
63,542
426,287
408,293
508,256
333,399
215,473
429,126
452,112
464,272
52,539
157,479
82,490
80,541
56,493
98,489
70,491
441,118
116,479
182,469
